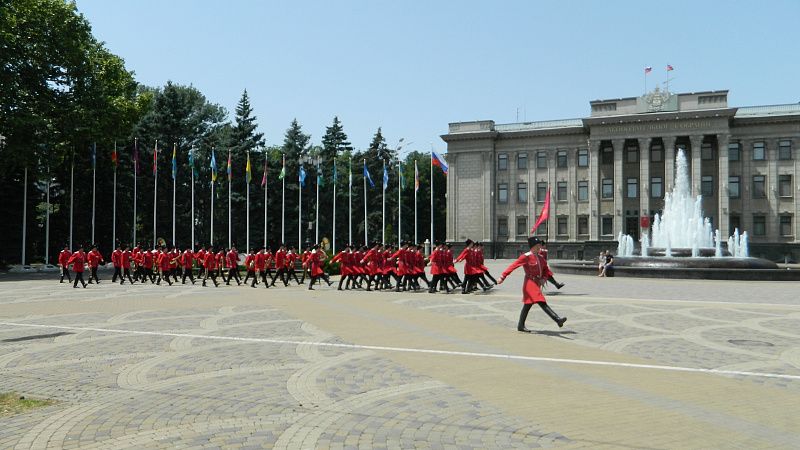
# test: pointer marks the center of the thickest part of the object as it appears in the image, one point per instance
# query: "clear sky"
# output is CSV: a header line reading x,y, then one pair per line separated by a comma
x,y
411,67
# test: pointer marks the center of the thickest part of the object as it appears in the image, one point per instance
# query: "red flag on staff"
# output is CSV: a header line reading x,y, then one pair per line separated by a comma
x,y
669,67
545,213
648,69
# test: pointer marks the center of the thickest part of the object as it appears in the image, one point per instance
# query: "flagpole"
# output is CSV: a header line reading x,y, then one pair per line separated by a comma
x,y
94,185
265,199
155,192
174,182
135,178
213,183
283,202
399,205
383,213
71,194
24,212
192,169
333,242
366,240
350,201
114,202
229,198
247,179
431,197
47,220
299,210
316,219
416,175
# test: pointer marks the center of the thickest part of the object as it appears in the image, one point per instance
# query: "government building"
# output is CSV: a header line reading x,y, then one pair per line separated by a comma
x,y
608,173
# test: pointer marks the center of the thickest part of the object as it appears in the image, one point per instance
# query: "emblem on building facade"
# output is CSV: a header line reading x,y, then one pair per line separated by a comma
x,y
656,100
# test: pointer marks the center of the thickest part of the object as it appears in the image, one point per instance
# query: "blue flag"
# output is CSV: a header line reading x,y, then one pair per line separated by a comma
x,y
213,166
385,177
366,175
302,177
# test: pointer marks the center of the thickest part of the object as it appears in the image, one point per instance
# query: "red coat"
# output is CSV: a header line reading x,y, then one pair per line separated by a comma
x,y
210,261
373,266
343,259
147,260
232,259
402,259
125,259
163,261
63,257
249,262
536,273
188,259
280,259
291,257
260,261
314,262
77,259
436,262
116,258
94,258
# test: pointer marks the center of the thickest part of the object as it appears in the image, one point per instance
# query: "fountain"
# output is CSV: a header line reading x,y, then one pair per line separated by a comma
x,y
682,244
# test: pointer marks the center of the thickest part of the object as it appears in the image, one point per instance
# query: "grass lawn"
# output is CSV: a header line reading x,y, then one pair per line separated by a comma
x,y
12,403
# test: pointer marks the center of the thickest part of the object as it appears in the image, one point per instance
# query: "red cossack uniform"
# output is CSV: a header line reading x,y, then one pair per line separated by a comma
x,y
401,258
315,264
342,258
77,259
187,259
125,259
147,260
63,257
260,261
248,261
94,257
280,259
116,258
290,259
536,273
164,261
210,261
232,259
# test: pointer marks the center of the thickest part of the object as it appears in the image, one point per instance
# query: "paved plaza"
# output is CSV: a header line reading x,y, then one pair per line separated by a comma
x,y
641,363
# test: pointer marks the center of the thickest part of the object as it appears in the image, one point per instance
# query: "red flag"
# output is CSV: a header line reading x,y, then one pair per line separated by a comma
x,y
647,70
264,178
155,158
669,67
545,213
114,157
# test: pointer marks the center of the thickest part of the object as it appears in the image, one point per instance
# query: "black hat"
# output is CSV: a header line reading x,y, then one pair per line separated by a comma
x,y
533,240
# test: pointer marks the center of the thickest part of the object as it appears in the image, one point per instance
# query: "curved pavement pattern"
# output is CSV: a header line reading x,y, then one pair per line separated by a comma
x,y
191,367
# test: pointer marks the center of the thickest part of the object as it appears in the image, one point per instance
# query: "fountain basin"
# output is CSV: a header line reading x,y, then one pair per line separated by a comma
x,y
704,252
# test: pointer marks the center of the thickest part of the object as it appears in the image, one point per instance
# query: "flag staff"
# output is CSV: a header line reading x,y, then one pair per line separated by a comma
x,y
431,196
174,181
230,175
300,207
316,219
155,192
71,194
399,205
247,175
366,240
283,201
383,201
24,212
416,188
213,183
47,219
94,185
350,201
264,184
333,241
135,178
114,201
192,169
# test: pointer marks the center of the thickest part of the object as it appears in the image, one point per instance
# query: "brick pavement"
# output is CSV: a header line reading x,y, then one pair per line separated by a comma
x,y
156,391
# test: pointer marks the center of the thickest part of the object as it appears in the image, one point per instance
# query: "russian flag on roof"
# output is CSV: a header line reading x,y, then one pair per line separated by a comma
x,y
438,160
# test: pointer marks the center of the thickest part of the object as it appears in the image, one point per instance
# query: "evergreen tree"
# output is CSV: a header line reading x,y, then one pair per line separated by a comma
x,y
296,145
334,142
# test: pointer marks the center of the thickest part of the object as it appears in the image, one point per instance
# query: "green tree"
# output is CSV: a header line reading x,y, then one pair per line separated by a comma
x,y
296,146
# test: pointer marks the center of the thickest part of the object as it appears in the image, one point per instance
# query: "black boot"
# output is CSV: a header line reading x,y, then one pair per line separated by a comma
x,y
559,320
522,316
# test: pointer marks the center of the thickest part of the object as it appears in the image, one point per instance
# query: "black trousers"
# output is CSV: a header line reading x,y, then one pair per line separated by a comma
x,y
65,273
187,272
117,273
126,273
93,275
523,315
79,277
234,274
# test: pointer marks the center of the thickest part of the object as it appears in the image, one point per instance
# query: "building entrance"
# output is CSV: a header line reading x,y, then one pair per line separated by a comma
x,y
632,227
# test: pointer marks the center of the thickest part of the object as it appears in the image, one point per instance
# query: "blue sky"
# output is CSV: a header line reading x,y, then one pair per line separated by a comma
x,y
411,67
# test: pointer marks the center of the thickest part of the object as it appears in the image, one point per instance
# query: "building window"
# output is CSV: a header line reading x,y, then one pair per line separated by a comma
x,y
583,191
632,185
608,188
502,193
733,152
632,154
607,226
502,161
583,158
561,191
785,185
759,153
583,225
561,159
541,159
522,161
734,191
656,187
522,226
608,155
786,226
706,151
657,153
502,226
785,150
759,225
541,192
562,226
707,186
522,192
735,223
758,186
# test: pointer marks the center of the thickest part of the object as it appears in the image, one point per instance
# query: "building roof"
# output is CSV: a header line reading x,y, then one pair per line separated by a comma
x,y
768,110
540,125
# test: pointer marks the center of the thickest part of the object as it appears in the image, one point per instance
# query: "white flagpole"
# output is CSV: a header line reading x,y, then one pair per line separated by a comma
x,y
299,210
350,201
94,184
114,203
47,220
416,175
174,182
192,169
316,218
211,241
333,242
247,248
71,195
399,205
155,192
135,178
265,199
283,202
383,201
366,240
229,197
24,212
431,197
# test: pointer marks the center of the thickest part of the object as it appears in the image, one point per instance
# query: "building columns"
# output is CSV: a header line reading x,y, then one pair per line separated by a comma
x,y
697,162
619,185
594,191
669,162
644,180
723,215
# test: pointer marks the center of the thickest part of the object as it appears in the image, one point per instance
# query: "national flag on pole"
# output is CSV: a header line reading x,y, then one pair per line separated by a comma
x,y
247,170
320,178
400,174
155,159
416,177
385,177
545,213
114,156
438,160
302,176
264,178
230,172
647,70
174,161
136,157
367,176
93,152
282,175
213,165
350,176
669,67
191,162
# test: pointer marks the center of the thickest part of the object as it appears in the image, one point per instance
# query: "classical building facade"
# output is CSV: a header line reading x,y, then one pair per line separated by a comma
x,y
608,173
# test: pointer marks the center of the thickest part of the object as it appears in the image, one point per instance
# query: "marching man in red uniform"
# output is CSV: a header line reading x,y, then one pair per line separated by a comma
x,y
116,261
210,266
63,261
315,260
125,260
343,258
187,259
536,274
94,258
78,260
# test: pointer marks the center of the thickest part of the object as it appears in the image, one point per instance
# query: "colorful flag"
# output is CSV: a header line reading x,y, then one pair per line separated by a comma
x,y
385,177
400,174
366,175
114,156
93,152
174,161
247,172
282,175
136,156
545,213
647,70
320,178
230,172
155,159
264,178
191,162
669,67
302,176
416,177
439,161
213,165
